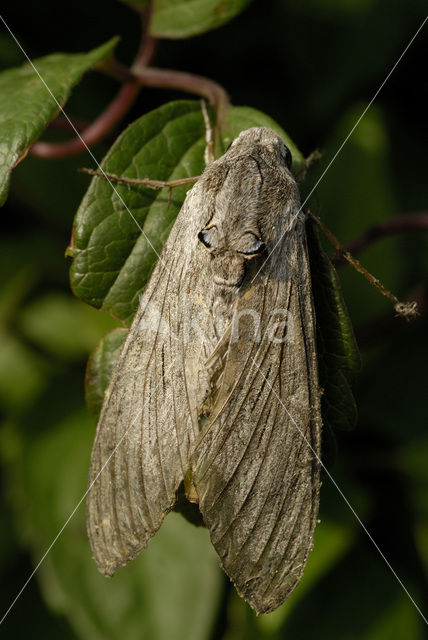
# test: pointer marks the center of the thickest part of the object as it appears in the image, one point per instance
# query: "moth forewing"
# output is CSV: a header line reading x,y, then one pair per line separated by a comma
x,y
227,396
256,466
149,417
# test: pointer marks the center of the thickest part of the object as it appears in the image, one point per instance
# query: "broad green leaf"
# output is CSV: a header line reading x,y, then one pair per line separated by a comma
x,y
22,374
170,592
185,18
63,326
338,355
27,105
100,367
22,370
112,257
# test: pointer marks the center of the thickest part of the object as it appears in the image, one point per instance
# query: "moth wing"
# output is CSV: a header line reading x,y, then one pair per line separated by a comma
x,y
255,468
149,420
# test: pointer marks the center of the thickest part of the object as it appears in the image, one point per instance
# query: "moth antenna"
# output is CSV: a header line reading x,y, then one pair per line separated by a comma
x,y
406,310
314,156
209,155
139,182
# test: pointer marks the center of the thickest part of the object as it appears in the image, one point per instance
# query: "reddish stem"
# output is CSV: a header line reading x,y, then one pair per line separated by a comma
x,y
408,222
140,74
62,124
169,79
95,132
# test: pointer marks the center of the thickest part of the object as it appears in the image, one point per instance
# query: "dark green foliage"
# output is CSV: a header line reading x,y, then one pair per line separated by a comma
x,y
338,356
28,103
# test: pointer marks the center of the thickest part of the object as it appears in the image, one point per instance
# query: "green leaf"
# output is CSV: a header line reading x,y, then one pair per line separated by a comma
x,y
63,326
185,18
22,374
100,367
112,258
338,355
22,371
170,592
27,105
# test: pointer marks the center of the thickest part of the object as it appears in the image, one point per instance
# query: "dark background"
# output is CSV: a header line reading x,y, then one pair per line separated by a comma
x,y
313,66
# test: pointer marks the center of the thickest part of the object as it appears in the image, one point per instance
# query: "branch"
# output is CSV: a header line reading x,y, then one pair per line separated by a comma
x,y
408,222
62,124
140,182
199,85
153,77
139,75
314,156
405,309
373,332
95,132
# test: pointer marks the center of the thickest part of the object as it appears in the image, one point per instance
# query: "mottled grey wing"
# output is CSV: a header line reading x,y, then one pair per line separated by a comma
x,y
149,418
254,469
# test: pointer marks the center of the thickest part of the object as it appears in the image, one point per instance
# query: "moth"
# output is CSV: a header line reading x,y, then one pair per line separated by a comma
x,y
216,389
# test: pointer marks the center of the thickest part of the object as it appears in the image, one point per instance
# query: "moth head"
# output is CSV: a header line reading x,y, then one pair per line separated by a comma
x,y
267,140
285,155
248,245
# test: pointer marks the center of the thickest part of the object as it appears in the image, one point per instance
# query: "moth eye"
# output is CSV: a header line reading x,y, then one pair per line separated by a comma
x,y
202,236
288,157
209,238
251,246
